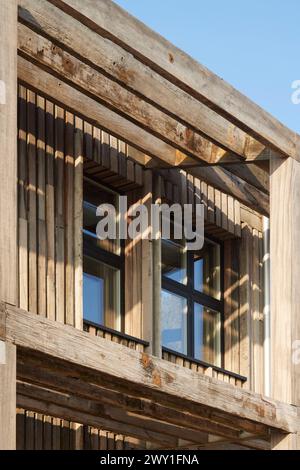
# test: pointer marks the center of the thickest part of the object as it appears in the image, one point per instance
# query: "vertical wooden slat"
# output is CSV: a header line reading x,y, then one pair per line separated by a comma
x,y
119,440
22,201
147,299
224,207
38,432
257,325
114,154
110,441
20,429
105,149
56,430
204,197
96,145
210,205
237,218
29,434
50,211
227,304
78,222
8,398
59,212
197,191
190,190
65,435
47,433
69,217
32,198
41,206
77,436
94,438
218,208
103,440
122,160
245,301
88,140
231,222
8,151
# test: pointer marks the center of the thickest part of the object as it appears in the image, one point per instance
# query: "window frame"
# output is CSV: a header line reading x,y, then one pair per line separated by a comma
x,y
195,296
116,261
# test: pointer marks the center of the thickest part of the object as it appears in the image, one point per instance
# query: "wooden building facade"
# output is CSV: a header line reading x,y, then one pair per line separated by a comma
x,y
136,344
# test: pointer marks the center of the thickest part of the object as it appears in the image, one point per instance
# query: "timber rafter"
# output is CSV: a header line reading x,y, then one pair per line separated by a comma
x,y
70,51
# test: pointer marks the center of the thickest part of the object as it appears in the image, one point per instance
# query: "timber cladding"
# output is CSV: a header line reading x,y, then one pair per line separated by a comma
x,y
55,148
40,432
222,212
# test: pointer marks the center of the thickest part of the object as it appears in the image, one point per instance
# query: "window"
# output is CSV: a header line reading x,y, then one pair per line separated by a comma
x,y
102,263
174,322
191,301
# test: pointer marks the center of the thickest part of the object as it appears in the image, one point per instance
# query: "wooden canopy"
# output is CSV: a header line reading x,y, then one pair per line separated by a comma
x,y
94,57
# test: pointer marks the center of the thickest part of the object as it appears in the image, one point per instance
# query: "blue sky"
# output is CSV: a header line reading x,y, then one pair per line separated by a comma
x,y
253,44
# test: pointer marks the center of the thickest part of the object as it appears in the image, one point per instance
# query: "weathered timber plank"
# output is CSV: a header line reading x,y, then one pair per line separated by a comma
x,y
84,417
8,151
129,132
109,413
111,21
8,397
143,371
123,66
122,101
32,370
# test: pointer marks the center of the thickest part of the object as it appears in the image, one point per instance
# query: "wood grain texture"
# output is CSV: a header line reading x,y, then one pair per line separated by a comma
x,y
148,376
8,151
8,399
285,256
182,70
133,74
142,140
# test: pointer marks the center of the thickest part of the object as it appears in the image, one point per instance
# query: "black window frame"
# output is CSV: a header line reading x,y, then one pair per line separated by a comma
x,y
193,296
95,252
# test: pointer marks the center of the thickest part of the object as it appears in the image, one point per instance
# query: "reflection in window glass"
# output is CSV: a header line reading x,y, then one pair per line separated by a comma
x,y
174,260
207,270
94,195
207,335
174,322
101,294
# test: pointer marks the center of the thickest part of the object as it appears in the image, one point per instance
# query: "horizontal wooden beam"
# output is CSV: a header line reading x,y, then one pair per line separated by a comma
x,y
151,430
54,375
132,74
252,174
69,68
112,22
102,116
150,377
55,409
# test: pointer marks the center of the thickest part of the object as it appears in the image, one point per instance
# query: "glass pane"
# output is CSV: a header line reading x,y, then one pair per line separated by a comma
x,y
94,195
207,270
174,261
101,294
174,322
207,335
